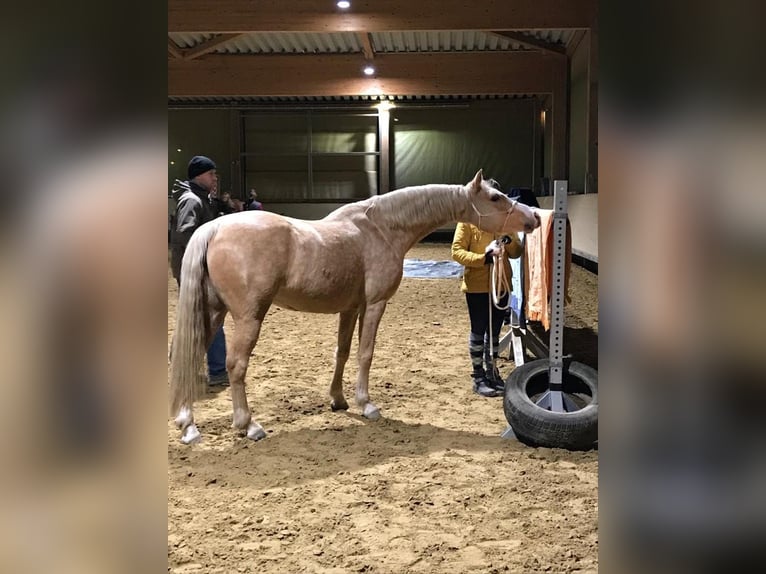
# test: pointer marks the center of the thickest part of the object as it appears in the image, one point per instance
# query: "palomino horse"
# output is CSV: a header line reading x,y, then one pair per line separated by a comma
x,y
349,263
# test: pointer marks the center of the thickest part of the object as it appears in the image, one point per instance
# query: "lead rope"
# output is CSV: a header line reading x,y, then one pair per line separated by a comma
x,y
499,287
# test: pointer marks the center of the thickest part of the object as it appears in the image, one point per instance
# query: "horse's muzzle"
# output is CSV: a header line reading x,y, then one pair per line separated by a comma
x,y
533,223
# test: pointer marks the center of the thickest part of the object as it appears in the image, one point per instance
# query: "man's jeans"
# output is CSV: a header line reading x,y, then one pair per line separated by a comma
x,y
216,354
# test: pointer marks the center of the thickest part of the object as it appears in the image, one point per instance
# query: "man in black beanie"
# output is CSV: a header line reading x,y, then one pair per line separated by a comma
x,y
197,205
193,208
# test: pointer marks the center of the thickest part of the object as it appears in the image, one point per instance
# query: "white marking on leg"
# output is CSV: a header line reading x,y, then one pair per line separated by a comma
x,y
241,418
184,418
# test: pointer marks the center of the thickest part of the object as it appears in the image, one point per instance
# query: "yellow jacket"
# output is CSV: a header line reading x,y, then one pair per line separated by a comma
x,y
468,247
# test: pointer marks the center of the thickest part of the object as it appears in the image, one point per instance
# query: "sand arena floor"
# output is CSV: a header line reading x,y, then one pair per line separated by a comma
x,y
429,488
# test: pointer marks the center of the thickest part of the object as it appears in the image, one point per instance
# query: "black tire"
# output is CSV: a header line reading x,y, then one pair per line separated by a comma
x,y
536,426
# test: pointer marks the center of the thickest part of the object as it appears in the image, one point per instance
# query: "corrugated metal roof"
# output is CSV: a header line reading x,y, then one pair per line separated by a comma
x,y
441,41
289,43
383,42
278,43
189,40
560,37
242,101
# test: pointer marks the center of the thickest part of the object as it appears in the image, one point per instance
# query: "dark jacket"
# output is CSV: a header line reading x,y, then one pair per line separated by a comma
x,y
194,208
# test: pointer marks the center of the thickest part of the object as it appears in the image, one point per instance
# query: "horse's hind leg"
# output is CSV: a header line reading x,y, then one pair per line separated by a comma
x,y
217,317
246,333
345,335
185,417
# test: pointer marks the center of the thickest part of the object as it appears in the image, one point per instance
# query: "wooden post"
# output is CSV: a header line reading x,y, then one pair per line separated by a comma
x,y
591,153
384,132
235,155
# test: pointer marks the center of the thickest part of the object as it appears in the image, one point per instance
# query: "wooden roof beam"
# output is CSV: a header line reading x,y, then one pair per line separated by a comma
x,y
174,50
465,73
531,42
366,42
235,16
574,42
209,45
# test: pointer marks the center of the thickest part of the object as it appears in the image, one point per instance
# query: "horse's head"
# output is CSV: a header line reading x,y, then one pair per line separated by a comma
x,y
491,210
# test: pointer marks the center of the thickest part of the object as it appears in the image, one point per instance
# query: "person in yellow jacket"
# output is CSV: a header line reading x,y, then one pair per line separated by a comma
x,y
474,249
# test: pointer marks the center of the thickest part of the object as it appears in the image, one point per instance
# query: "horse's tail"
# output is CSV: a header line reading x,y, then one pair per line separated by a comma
x,y
187,365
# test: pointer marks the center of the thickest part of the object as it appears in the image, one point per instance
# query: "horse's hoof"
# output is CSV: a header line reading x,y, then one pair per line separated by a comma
x,y
191,435
255,432
339,405
371,412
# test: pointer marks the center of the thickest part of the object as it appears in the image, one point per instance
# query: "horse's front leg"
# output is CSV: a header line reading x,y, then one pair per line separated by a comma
x,y
368,331
345,334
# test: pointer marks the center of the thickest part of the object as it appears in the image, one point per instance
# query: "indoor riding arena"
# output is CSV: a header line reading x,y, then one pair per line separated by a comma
x,y
305,108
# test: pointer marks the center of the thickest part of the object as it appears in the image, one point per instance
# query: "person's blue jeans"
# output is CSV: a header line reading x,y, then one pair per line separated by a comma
x,y
216,354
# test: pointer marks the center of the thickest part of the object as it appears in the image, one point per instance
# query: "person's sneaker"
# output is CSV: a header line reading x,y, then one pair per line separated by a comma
x,y
481,387
220,380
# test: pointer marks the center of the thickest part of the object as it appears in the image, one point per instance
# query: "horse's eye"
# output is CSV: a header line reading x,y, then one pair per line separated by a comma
x,y
494,198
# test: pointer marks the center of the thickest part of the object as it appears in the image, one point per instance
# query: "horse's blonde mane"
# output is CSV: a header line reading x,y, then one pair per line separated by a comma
x,y
400,208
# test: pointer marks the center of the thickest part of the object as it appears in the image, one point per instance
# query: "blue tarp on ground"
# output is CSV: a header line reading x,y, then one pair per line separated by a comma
x,y
432,269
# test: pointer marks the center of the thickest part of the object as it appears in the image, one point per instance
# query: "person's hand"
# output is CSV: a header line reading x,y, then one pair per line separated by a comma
x,y
494,249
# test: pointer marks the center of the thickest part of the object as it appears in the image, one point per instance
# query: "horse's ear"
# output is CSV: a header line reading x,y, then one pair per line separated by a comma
x,y
477,179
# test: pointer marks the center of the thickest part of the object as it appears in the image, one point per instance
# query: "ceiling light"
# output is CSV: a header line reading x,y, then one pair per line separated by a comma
x,y
368,70
344,4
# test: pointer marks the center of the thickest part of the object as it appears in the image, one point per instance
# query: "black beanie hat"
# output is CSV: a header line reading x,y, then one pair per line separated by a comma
x,y
199,164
